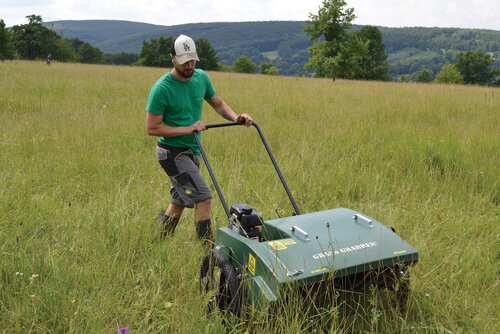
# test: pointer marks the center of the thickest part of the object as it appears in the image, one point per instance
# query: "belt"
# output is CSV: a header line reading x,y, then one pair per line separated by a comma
x,y
172,148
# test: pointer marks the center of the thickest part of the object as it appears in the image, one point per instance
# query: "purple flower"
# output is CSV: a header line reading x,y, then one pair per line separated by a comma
x,y
122,330
373,310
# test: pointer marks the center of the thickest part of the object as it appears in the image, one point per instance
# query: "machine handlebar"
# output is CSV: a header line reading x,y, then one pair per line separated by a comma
x,y
273,160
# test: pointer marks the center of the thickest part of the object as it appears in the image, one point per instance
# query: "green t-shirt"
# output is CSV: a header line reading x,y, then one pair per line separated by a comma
x,y
180,103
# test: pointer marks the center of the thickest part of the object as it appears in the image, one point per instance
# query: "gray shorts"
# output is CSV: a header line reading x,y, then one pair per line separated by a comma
x,y
183,169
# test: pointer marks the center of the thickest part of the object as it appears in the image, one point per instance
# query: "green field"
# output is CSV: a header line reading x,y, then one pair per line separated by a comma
x,y
81,188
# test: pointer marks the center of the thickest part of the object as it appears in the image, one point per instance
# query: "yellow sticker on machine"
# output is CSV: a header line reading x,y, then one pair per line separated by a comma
x,y
319,270
399,252
281,244
251,264
288,242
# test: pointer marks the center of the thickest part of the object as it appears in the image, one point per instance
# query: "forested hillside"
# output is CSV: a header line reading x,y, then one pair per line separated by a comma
x,y
284,43
410,49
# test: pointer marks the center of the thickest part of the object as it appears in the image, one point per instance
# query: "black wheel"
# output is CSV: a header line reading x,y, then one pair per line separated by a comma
x,y
218,276
400,284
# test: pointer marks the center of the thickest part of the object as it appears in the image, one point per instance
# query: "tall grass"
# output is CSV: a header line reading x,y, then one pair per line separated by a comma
x,y
80,191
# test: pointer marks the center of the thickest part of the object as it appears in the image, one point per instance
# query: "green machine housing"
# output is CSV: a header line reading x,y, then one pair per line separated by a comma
x,y
309,248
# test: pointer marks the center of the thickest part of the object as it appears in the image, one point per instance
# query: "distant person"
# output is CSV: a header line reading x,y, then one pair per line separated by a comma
x,y
49,60
174,113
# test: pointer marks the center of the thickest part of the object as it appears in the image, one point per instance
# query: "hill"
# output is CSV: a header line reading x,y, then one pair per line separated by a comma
x,y
284,43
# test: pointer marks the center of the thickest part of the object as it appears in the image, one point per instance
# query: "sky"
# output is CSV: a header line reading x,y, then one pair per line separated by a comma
x,y
483,14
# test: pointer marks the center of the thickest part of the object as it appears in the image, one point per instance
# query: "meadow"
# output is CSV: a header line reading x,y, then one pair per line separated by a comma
x,y
80,190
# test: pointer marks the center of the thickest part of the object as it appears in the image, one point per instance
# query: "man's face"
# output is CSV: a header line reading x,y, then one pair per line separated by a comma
x,y
186,70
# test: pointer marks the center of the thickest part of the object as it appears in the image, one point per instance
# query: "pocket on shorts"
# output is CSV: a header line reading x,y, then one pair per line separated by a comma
x,y
161,153
185,181
166,160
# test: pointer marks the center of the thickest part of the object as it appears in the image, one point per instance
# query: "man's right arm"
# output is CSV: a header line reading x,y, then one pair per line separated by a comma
x,y
155,127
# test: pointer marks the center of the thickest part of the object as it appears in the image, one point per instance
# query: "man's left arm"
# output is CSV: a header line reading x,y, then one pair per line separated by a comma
x,y
225,111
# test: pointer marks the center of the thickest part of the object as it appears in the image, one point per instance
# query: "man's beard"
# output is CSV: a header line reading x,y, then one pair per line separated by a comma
x,y
186,74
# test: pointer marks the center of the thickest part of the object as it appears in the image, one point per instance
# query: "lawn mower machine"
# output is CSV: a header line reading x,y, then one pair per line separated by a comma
x,y
259,261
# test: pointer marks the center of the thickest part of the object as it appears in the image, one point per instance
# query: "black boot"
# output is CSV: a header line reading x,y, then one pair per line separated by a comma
x,y
166,224
204,230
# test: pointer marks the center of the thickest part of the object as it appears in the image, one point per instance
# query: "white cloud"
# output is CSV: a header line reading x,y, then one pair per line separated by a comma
x,y
428,13
391,13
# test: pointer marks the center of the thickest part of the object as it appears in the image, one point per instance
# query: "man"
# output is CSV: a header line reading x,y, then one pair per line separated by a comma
x,y
174,114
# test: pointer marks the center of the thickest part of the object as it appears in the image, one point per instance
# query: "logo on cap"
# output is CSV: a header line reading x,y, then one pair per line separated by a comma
x,y
186,47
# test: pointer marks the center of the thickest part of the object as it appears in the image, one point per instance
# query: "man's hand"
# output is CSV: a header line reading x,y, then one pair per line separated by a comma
x,y
198,127
245,118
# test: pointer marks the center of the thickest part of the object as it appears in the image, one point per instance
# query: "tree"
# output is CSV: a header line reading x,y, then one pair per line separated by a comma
x,y
404,78
496,82
75,43
268,68
27,38
89,54
330,55
156,53
34,41
225,68
449,75
423,76
372,65
475,67
86,53
61,50
7,50
206,54
244,65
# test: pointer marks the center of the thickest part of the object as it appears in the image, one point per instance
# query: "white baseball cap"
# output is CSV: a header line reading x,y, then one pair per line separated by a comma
x,y
184,49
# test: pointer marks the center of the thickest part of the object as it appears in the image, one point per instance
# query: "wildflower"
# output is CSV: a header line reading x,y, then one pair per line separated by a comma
x,y
19,274
122,330
373,310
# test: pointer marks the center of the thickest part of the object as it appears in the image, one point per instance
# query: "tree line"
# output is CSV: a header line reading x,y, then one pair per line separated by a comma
x,y
34,41
156,53
338,51
473,68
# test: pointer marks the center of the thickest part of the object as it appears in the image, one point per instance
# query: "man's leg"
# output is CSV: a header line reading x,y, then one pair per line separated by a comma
x,y
174,210
169,219
202,219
